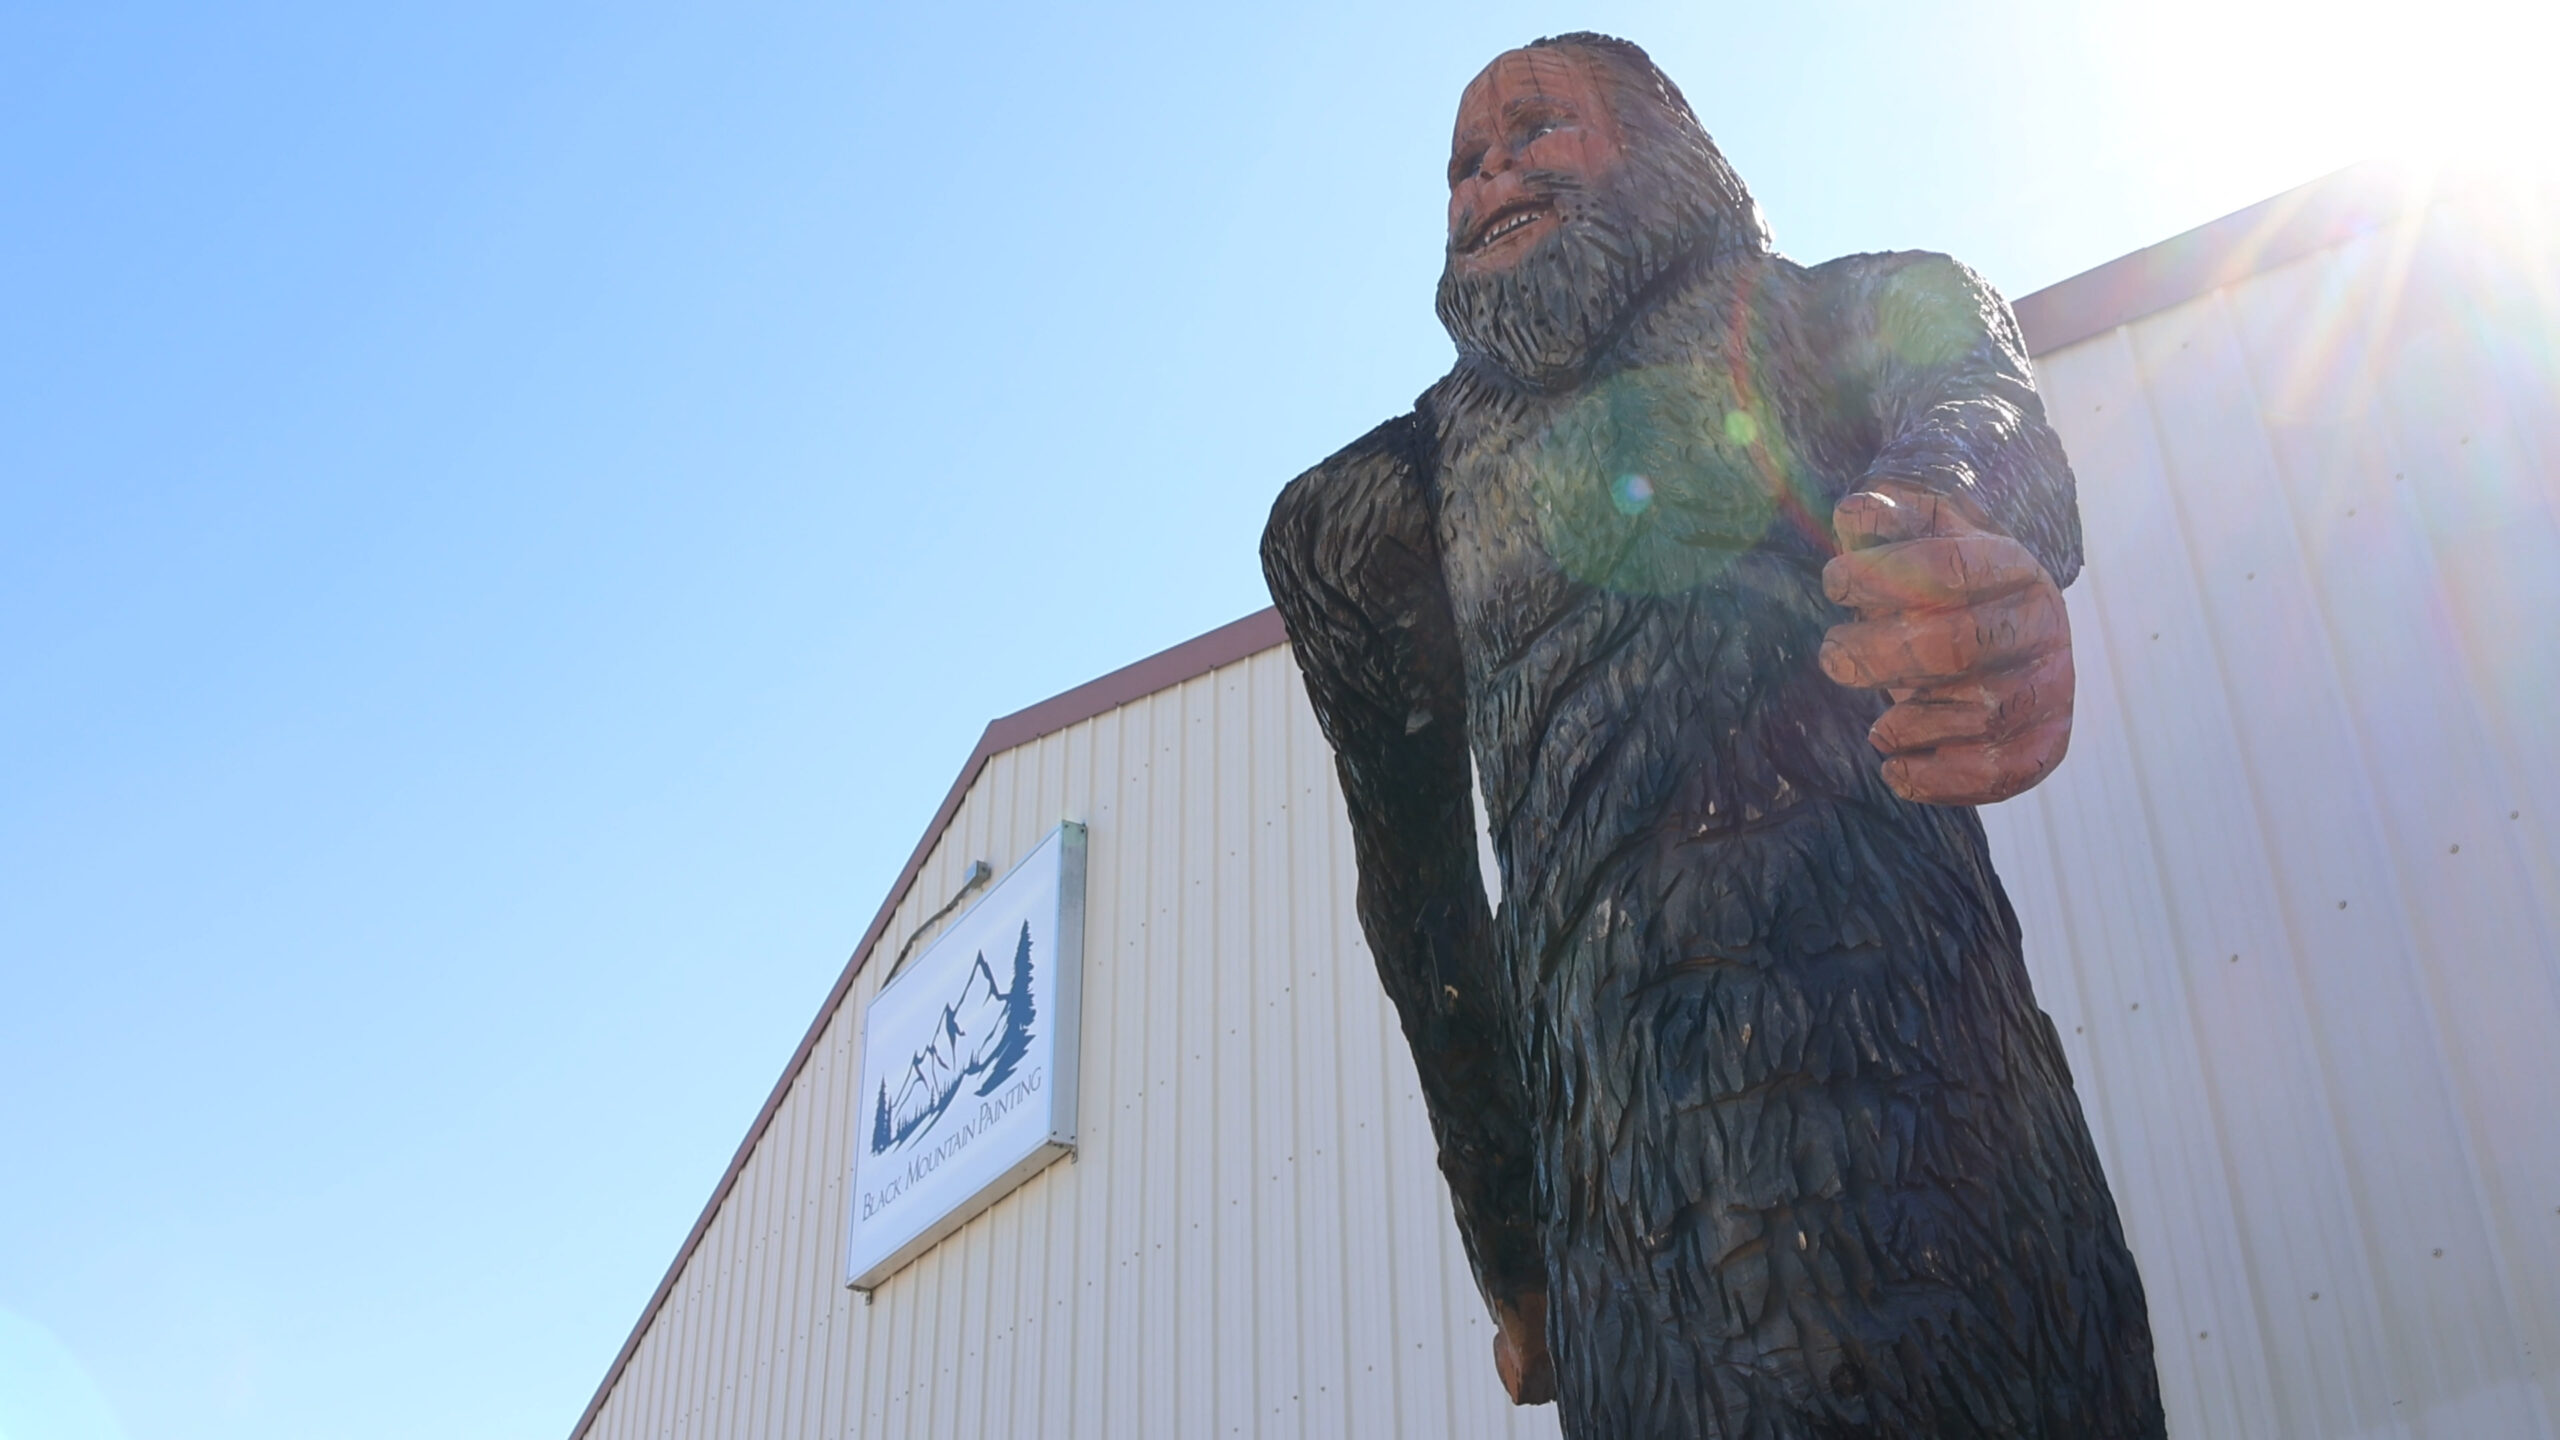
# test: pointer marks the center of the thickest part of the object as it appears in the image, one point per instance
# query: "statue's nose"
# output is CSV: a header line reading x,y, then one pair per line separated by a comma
x,y
1494,184
1497,185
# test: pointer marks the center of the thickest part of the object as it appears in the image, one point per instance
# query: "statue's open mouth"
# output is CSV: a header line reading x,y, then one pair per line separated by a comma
x,y
1510,220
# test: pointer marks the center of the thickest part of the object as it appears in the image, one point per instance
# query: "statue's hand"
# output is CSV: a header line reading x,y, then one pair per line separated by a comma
x,y
1967,633
1520,1348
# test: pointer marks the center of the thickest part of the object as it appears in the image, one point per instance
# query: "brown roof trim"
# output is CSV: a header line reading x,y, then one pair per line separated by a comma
x,y
2119,292
2291,225
1163,670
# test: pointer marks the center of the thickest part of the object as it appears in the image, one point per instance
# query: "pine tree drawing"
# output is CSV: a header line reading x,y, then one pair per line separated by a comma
x,y
1019,1012
883,1133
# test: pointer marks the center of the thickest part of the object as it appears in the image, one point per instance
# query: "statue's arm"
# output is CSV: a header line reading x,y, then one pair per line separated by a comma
x,y
1958,539
1935,360
1354,567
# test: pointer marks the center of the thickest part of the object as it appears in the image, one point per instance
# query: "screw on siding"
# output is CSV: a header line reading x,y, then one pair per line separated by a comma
x,y
2315,1294
2235,959
2439,1254
2342,904
2456,850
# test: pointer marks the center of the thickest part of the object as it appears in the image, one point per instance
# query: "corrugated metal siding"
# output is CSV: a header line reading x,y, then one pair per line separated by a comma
x,y
1252,1239
2292,898
2319,646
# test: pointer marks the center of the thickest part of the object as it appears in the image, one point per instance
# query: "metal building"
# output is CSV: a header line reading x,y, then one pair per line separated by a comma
x,y
2293,902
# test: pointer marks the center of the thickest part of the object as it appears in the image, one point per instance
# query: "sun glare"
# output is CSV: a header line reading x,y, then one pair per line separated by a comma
x,y
2258,92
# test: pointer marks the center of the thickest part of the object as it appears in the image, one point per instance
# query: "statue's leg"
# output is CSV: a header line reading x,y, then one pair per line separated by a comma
x,y
1818,1173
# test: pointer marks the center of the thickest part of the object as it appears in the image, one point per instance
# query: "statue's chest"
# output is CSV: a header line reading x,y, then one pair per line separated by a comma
x,y
1649,483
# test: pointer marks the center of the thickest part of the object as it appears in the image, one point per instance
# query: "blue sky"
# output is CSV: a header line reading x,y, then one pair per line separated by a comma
x,y
511,515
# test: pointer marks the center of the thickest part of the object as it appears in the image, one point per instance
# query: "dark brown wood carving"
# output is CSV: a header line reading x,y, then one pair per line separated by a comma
x,y
1737,583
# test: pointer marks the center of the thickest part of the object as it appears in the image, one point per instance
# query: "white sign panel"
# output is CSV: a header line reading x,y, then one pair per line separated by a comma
x,y
969,1063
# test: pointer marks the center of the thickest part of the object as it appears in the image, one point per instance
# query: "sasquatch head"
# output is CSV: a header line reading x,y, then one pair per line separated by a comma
x,y
1577,178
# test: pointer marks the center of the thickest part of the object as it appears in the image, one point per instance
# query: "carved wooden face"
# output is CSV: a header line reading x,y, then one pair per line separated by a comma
x,y
1532,114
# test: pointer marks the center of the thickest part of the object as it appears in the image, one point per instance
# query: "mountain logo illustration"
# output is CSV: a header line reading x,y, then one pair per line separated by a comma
x,y
983,1034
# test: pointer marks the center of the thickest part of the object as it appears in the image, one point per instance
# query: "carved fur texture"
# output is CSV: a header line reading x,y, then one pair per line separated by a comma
x,y
1746,1073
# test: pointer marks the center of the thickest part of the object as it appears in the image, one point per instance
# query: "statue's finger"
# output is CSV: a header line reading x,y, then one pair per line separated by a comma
x,y
1520,1353
1932,646
1882,515
1980,774
1916,725
1935,571
1884,509
1992,707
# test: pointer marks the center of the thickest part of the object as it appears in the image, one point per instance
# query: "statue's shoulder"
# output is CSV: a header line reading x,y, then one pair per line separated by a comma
x,y
1361,486
1349,546
1909,292
1878,271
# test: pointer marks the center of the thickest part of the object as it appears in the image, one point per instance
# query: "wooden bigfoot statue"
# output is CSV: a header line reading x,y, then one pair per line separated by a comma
x,y
1751,1121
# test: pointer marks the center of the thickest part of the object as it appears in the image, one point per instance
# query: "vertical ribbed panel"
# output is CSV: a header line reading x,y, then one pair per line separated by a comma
x,y
2292,899
2293,903
1252,1239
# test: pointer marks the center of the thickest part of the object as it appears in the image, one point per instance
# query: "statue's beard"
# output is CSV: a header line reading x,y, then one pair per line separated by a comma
x,y
1544,318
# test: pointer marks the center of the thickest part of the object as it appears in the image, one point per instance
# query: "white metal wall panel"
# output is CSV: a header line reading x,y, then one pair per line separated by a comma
x,y
1252,1240
2291,900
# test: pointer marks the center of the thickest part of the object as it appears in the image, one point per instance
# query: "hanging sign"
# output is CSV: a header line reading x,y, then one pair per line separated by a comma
x,y
969,1063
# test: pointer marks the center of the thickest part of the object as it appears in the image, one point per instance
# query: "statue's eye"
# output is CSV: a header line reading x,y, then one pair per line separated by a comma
x,y
1536,124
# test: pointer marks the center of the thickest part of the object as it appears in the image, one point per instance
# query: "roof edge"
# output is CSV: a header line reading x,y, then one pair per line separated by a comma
x,y
2309,217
